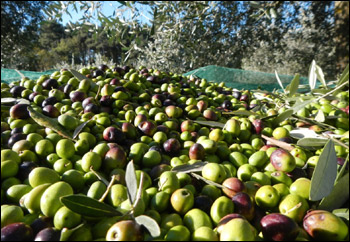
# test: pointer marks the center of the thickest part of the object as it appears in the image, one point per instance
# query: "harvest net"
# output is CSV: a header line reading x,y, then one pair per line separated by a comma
x,y
243,79
234,78
11,75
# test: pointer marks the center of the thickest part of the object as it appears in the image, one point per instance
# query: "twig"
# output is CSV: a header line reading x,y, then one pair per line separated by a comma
x,y
281,144
108,189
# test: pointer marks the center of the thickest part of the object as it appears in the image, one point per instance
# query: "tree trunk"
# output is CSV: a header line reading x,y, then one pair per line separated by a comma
x,y
342,34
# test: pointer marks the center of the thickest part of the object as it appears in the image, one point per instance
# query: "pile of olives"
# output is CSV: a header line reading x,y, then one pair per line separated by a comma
x,y
249,189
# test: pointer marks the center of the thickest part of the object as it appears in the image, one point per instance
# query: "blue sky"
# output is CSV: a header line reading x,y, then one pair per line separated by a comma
x,y
108,7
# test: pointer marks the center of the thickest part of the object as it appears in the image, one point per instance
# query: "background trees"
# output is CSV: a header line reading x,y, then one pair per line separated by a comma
x,y
184,35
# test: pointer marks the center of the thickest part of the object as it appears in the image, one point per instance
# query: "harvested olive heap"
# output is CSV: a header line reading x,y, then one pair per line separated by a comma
x,y
140,154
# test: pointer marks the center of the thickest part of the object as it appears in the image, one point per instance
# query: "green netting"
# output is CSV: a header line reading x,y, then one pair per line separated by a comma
x,y
11,75
234,78
243,79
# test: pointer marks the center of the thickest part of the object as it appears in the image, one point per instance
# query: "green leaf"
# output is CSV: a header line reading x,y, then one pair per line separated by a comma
x,y
294,85
78,75
342,213
283,116
210,123
66,233
87,206
79,129
324,175
241,113
206,180
196,167
309,142
150,224
47,122
131,181
300,105
344,76
338,196
312,75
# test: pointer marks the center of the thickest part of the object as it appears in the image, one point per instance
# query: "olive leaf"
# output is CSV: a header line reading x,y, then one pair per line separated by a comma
x,y
241,113
47,122
300,105
300,133
131,182
312,75
338,196
78,75
283,116
186,168
8,100
206,180
320,76
12,101
88,206
150,224
294,85
320,117
342,213
325,173
66,233
279,82
79,129
344,76
312,142
210,123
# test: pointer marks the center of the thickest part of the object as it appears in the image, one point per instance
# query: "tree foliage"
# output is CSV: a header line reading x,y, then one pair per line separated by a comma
x,y
19,26
180,36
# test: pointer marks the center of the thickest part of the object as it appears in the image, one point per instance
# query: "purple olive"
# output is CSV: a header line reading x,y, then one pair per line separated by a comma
x,y
278,227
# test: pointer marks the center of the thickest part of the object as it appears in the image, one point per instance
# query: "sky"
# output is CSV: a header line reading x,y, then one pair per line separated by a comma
x,y
108,7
